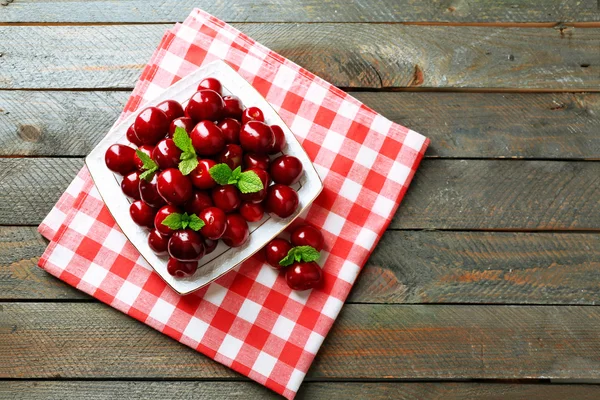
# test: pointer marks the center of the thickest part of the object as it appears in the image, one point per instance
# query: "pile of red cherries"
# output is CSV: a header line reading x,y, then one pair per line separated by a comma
x,y
200,174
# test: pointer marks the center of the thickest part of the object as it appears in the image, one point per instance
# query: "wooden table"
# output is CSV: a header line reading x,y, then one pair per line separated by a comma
x,y
483,287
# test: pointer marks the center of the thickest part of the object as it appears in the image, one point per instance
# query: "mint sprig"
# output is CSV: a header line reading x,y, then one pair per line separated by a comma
x,y
188,158
149,166
300,254
177,221
246,182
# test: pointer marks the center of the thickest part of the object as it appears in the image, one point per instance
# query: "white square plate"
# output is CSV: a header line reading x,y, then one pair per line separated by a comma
x,y
223,259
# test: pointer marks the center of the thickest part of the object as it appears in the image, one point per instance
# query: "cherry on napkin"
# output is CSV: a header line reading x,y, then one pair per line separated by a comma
x,y
249,319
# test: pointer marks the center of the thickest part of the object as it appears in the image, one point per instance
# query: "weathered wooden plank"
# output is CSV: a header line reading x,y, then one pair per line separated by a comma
x,y
348,55
406,267
460,125
302,11
91,340
148,390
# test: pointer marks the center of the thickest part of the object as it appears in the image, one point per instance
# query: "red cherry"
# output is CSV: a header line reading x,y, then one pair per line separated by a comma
x,y
252,212
233,107
259,196
276,250
279,143
142,214
181,269
205,105
171,108
231,155
215,222
149,192
207,138
147,149
132,137
286,170
151,125
166,154
231,130
158,242
281,200
261,161
163,213
227,198
303,276
210,246
131,185
201,176
120,159
183,122
198,202
212,84
256,137
237,232
252,114
307,235
186,245
174,187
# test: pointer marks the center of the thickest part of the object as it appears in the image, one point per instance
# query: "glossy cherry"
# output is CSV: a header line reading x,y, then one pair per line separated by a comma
x,y
158,242
131,185
286,170
276,250
149,192
307,235
163,213
212,84
183,122
261,161
231,130
259,196
252,212
200,176
166,154
147,149
210,246
304,276
132,137
233,107
231,155
142,214
237,232
252,114
171,108
281,200
215,222
198,202
207,138
181,269
120,159
186,245
151,125
205,104
174,187
279,142
227,198
256,137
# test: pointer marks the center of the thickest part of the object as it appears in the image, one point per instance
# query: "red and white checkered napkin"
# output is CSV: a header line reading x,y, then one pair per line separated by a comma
x,y
249,319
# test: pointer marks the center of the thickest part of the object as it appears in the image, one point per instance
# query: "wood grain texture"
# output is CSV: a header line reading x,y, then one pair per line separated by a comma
x,y
302,11
347,55
92,340
406,267
136,390
460,125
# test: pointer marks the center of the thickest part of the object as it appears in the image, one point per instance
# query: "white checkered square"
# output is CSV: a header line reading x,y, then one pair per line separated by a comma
x,y
215,294
60,256
230,347
249,310
115,241
128,293
251,64
350,189
264,364
399,173
348,110
383,206
94,275
171,63
334,223
313,343
366,238
381,124
196,329
82,223
283,327
333,141
267,276
332,307
366,157
300,126
284,78
414,140
316,93
219,49
162,311
349,271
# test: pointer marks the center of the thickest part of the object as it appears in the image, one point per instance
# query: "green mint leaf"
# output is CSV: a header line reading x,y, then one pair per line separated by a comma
x,y
173,221
185,220
236,172
196,223
249,182
182,140
187,166
147,175
146,160
289,259
308,253
221,173
187,156
297,257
